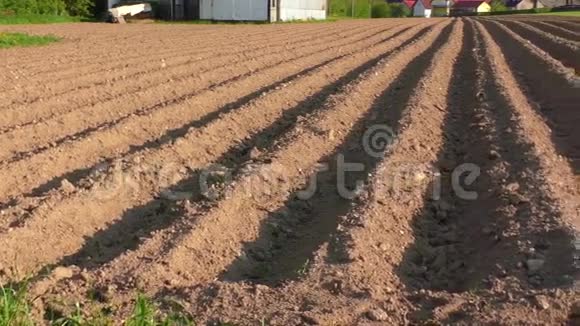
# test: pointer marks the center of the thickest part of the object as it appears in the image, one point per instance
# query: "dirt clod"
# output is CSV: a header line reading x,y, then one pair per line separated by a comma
x,y
541,302
61,272
377,314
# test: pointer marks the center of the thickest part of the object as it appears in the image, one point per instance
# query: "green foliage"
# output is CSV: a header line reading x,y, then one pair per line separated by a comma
x,y
78,318
46,7
14,309
498,5
399,10
350,8
36,19
393,10
518,12
145,314
82,8
381,10
8,40
563,13
38,7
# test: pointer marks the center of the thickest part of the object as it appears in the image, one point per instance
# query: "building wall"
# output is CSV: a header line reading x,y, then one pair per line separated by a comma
x,y
302,9
249,10
527,4
111,3
484,7
420,11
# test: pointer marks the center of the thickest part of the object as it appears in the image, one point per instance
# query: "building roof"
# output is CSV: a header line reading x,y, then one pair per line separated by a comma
x,y
468,3
426,4
409,3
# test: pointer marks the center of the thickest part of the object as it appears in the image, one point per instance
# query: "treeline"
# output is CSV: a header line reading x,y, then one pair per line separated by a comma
x,y
367,9
47,7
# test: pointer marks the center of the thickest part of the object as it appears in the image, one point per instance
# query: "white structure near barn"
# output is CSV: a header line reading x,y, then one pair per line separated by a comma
x,y
244,10
422,8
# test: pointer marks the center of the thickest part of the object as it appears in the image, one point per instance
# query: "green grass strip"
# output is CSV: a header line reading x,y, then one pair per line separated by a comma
x,y
8,40
36,19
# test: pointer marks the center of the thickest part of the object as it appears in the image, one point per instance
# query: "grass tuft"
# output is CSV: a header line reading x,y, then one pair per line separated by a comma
x,y
145,314
14,309
8,40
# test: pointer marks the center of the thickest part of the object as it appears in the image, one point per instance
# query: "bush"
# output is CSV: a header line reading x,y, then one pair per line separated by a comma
x,y
81,8
344,8
39,7
498,5
390,10
399,10
47,7
381,10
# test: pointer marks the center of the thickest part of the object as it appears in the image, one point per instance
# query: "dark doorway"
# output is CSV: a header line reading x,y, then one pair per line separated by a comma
x,y
191,9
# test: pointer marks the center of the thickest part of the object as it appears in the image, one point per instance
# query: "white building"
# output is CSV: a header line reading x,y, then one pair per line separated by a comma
x,y
244,10
422,8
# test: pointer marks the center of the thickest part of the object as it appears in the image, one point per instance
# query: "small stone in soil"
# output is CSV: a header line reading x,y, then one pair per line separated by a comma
x,y
255,153
541,302
377,315
493,155
61,273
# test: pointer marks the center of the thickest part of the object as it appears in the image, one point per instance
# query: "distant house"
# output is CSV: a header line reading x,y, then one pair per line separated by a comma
x,y
523,4
243,10
441,8
409,3
470,7
422,8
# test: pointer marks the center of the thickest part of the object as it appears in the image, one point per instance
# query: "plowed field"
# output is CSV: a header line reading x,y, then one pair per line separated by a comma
x,y
362,172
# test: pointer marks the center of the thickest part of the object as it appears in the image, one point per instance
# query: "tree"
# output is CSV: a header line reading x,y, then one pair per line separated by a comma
x,y
498,5
79,7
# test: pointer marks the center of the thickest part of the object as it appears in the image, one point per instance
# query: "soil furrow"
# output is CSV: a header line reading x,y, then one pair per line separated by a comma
x,y
567,54
72,65
97,61
111,197
28,140
555,30
167,40
271,185
574,28
106,88
552,90
133,72
98,145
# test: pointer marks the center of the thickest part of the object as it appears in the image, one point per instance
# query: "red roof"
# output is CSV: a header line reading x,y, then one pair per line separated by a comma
x,y
410,3
426,3
468,3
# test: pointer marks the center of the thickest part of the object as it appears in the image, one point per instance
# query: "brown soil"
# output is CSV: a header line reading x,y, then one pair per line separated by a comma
x,y
107,137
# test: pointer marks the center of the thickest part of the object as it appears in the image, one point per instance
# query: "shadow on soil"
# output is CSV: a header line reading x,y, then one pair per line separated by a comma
x,y
462,244
557,98
138,223
171,135
290,236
